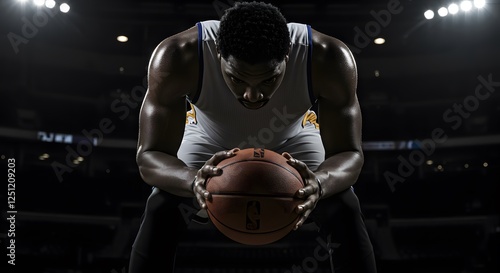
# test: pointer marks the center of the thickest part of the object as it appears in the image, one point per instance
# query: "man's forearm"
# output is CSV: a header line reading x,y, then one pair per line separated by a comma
x,y
339,172
166,172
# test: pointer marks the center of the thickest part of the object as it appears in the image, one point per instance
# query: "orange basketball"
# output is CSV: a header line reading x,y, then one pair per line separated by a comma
x,y
253,201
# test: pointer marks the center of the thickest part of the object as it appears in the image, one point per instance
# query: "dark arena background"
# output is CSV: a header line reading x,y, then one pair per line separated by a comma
x,y
71,89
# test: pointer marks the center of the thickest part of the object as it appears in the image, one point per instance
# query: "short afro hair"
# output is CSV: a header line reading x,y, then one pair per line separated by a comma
x,y
253,32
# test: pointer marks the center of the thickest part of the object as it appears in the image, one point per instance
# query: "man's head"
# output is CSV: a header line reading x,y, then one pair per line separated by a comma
x,y
253,43
253,32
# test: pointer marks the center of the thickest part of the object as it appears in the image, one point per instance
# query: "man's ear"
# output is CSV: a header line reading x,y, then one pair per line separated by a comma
x,y
288,53
218,52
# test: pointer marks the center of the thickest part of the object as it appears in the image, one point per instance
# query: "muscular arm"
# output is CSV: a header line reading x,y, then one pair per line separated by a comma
x,y
172,74
334,75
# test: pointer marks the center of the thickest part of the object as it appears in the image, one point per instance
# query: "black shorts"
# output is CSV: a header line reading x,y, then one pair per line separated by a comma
x,y
167,216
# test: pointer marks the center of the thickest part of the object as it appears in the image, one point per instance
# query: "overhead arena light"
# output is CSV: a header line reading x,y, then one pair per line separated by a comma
x,y
39,2
122,38
479,3
443,11
429,14
64,7
379,41
453,8
466,5
50,4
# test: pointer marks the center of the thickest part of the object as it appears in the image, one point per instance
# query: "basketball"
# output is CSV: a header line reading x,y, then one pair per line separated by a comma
x,y
253,200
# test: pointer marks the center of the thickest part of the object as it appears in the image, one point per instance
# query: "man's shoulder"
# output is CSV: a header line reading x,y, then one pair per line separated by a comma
x,y
327,48
173,68
181,48
334,68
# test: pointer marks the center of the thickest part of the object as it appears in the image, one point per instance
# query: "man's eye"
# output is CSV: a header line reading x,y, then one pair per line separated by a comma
x,y
236,80
270,81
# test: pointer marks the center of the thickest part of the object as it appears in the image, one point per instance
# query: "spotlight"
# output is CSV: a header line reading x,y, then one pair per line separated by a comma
x,y
453,8
429,14
50,4
443,12
466,5
38,2
64,7
22,1
379,41
479,3
122,38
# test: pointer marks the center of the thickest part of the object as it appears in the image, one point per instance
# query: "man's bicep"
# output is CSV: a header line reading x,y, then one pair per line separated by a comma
x,y
172,74
161,126
340,126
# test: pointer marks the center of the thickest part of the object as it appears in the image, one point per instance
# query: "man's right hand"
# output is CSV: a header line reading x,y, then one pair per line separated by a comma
x,y
208,170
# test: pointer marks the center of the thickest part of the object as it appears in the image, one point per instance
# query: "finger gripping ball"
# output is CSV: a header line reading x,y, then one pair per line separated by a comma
x,y
253,201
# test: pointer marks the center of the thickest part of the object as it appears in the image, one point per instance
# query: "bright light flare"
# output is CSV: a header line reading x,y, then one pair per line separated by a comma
x,y
429,14
466,5
50,4
479,3
39,2
64,7
453,8
443,11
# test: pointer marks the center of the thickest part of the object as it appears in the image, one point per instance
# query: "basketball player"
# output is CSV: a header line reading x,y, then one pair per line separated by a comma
x,y
251,80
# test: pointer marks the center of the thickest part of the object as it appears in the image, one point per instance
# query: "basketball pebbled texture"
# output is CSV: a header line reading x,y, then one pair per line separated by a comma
x,y
253,201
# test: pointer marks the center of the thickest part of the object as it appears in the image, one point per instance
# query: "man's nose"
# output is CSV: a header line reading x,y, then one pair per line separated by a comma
x,y
252,94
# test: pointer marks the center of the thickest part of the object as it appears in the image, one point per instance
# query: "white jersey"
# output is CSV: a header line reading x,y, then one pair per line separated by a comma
x,y
227,122
219,122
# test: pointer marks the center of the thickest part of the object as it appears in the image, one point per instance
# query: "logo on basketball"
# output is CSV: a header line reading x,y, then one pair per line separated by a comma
x,y
253,215
258,153
253,200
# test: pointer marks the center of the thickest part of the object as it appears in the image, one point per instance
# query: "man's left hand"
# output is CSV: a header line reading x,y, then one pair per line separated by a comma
x,y
310,192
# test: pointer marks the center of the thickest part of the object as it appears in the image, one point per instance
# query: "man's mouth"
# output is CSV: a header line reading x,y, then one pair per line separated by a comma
x,y
253,105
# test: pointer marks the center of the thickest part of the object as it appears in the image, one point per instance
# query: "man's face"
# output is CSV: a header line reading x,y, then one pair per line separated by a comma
x,y
252,84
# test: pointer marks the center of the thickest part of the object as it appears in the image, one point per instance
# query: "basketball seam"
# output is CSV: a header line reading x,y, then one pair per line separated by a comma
x,y
292,196
266,161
